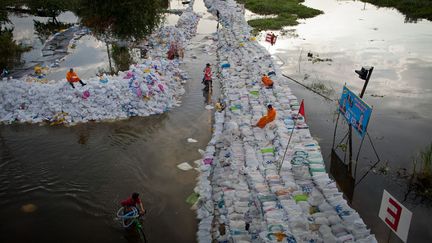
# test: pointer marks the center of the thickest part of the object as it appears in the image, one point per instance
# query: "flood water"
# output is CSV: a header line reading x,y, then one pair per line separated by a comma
x,y
76,176
353,34
64,184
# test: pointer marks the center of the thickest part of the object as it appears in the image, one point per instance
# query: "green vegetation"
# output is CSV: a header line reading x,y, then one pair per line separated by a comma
x,y
321,88
273,23
421,179
124,20
46,8
287,11
413,9
117,22
10,51
45,30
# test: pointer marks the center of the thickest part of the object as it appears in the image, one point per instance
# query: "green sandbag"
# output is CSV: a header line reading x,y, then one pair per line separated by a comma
x,y
256,93
267,150
315,161
300,197
193,198
312,170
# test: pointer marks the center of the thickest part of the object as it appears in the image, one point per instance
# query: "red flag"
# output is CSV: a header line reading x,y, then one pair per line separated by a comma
x,y
268,37
302,110
271,37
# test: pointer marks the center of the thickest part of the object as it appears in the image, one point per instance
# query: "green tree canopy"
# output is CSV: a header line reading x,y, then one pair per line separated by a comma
x,y
125,20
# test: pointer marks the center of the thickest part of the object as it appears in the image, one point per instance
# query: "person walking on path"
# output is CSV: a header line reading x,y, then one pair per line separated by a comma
x,y
207,80
72,77
271,115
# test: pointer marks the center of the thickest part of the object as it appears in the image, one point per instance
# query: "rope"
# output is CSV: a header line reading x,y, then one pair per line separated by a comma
x,y
334,134
308,88
373,147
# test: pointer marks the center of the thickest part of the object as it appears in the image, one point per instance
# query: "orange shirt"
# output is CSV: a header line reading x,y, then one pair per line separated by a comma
x,y
267,81
271,115
72,76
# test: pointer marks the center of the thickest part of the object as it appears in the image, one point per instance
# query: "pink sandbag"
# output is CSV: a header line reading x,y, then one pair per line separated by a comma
x,y
161,87
208,161
128,75
139,92
86,94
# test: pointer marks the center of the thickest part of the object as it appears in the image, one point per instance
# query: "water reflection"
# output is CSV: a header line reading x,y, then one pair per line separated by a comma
x,y
45,30
399,92
119,24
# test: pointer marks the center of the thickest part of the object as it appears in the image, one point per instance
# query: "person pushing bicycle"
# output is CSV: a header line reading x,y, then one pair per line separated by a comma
x,y
133,201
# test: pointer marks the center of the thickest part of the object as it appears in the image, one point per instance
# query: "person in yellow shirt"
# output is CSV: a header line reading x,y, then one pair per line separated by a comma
x,y
271,115
220,105
72,77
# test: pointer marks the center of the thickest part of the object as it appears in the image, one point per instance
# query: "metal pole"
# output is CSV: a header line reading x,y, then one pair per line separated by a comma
x,y
334,133
350,127
366,83
289,140
350,148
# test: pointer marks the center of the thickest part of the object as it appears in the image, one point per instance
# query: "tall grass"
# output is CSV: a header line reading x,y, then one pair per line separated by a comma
x,y
287,11
425,158
422,173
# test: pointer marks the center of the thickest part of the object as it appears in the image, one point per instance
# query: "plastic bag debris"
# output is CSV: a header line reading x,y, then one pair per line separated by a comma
x,y
191,140
184,166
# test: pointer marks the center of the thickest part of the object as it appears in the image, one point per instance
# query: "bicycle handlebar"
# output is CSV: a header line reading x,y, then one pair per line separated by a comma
x,y
128,217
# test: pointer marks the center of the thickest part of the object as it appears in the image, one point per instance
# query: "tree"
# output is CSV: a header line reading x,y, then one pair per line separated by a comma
x,y
122,20
47,8
10,51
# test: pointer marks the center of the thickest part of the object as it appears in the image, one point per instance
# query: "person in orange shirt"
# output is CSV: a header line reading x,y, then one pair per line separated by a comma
x,y
268,83
72,77
271,115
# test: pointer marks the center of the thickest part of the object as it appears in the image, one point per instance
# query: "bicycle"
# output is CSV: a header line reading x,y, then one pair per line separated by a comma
x,y
132,218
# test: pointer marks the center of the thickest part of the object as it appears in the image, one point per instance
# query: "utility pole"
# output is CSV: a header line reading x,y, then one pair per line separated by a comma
x,y
367,81
365,74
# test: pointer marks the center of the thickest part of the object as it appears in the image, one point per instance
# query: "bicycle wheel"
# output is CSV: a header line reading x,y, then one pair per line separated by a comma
x,y
141,234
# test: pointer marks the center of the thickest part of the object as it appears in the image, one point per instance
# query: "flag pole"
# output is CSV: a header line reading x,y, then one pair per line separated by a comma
x,y
289,140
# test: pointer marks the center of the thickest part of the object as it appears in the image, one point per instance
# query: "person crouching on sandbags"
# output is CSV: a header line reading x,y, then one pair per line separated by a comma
x,y
268,83
271,115
72,77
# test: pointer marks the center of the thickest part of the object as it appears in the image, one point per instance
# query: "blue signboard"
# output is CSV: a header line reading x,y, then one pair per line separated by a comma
x,y
355,111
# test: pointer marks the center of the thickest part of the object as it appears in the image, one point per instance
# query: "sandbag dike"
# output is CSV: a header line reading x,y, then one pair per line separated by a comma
x,y
151,87
243,198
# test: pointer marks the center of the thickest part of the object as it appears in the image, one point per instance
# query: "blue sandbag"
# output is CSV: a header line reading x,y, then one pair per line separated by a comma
x,y
225,65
